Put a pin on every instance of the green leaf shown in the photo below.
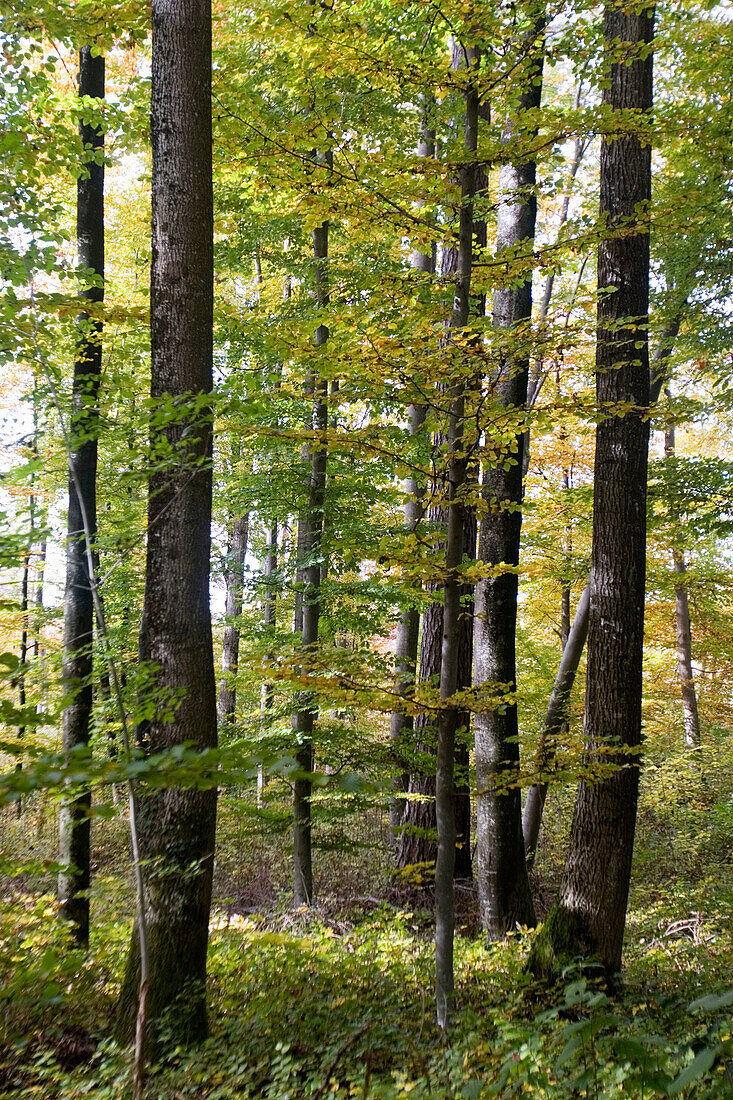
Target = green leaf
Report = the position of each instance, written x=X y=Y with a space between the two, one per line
x=700 y=1064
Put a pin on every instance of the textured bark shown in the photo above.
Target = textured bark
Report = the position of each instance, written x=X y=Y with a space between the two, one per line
x=177 y=826
x=590 y=915
x=310 y=533
x=505 y=899
x=233 y=610
x=449 y=665
x=74 y=824
x=682 y=623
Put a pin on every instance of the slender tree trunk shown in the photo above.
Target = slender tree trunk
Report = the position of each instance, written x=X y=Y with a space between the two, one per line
x=233 y=611
x=310 y=532
x=408 y=629
x=590 y=914
x=74 y=824
x=505 y=898
x=555 y=719
x=269 y=621
x=682 y=622
x=178 y=825
x=449 y=666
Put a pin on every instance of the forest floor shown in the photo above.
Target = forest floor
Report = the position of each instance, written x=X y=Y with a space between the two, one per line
x=337 y=1001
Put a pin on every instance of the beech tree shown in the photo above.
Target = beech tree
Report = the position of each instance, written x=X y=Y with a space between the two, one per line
x=177 y=825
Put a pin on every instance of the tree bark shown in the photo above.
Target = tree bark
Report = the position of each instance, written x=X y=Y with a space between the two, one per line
x=177 y=826
x=233 y=611
x=74 y=823
x=682 y=622
x=505 y=898
x=589 y=916
x=449 y=665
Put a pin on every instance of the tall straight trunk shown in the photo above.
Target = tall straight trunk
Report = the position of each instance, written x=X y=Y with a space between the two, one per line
x=74 y=824
x=590 y=914
x=449 y=666
x=505 y=898
x=233 y=610
x=573 y=647
x=310 y=532
x=416 y=845
x=177 y=825
x=682 y=621
x=408 y=629
x=269 y=621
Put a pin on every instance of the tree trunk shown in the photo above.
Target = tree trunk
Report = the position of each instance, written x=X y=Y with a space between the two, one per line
x=504 y=895
x=589 y=916
x=408 y=629
x=449 y=666
x=682 y=622
x=233 y=610
x=74 y=823
x=310 y=532
x=177 y=826
x=269 y=621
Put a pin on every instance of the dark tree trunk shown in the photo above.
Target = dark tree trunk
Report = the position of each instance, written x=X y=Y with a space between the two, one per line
x=505 y=898
x=408 y=630
x=682 y=622
x=590 y=914
x=233 y=610
x=310 y=533
x=74 y=824
x=177 y=826
x=448 y=718
x=417 y=839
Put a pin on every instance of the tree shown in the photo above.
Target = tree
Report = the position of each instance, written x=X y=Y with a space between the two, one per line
x=590 y=914
x=504 y=894
x=177 y=825
x=74 y=839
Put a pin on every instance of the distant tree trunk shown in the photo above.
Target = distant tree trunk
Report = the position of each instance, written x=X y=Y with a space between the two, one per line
x=310 y=532
x=74 y=824
x=233 y=611
x=505 y=898
x=449 y=665
x=177 y=825
x=589 y=916
x=269 y=621
x=682 y=622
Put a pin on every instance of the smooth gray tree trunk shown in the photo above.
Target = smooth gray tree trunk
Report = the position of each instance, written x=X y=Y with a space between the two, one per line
x=505 y=898
x=683 y=629
x=74 y=822
x=237 y=552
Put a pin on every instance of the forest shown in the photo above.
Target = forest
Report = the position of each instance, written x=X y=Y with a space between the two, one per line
x=366 y=560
